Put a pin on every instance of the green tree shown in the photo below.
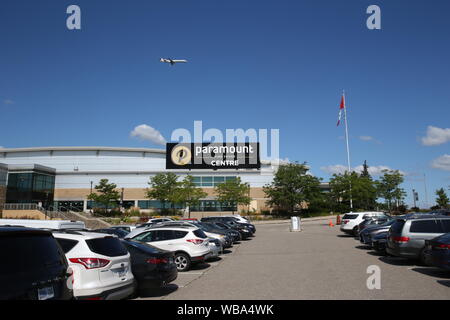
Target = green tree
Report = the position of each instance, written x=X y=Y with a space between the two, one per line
x=292 y=187
x=365 y=172
x=442 y=199
x=164 y=188
x=388 y=188
x=363 y=191
x=106 y=193
x=234 y=191
x=188 y=193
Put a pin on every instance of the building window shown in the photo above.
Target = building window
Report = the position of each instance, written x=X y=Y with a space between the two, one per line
x=214 y=205
x=211 y=181
x=155 y=204
x=30 y=187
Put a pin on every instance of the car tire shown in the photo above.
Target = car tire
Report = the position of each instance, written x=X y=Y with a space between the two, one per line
x=183 y=262
x=422 y=260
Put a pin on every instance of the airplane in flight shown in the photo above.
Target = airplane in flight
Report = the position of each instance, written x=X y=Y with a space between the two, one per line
x=172 y=61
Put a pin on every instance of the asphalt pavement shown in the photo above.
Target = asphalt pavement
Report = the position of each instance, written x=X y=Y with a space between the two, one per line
x=317 y=263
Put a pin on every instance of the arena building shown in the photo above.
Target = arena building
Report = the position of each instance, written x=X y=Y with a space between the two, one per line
x=62 y=177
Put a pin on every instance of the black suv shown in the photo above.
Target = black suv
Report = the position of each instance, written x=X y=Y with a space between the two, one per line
x=33 y=266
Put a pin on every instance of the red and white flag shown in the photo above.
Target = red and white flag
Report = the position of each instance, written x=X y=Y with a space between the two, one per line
x=341 y=107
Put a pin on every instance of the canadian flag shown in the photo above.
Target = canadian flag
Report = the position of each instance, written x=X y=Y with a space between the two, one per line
x=341 y=107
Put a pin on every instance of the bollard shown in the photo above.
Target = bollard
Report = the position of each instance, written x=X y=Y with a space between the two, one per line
x=338 y=219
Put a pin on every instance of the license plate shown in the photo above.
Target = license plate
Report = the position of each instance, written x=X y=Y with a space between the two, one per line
x=121 y=272
x=46 y=293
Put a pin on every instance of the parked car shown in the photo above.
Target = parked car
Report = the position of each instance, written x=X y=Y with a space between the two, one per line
x=437 y=252
x=371 y=221
x=120 y=233
x=33 y=266
x=224 y=240
x=190 y=244
x=231 y=222
x=351 y=220
x=407 y=236
x=125 y=227
x=232 y=233
x=441 y=212
x=151 y=267
x=44 y=224
x=379 y=241
x=238 y=218
x=157 y=220
x=216 y=249
x=366 y=235
x=243 y=231
x=100 y=264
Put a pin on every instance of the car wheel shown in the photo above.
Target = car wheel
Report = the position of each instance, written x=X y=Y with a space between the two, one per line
x=183 y=262
x=422 y=260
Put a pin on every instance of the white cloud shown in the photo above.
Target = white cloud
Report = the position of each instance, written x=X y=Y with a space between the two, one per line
x=442 y=163
x=369 y=138
x=335 y=169
x=148 y=133
x=436 y=136
x=340 y=169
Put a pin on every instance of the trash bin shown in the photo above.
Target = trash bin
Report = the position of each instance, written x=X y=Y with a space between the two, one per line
x=295 y=224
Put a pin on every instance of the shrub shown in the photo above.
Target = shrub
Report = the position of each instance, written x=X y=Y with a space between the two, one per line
x=132 y=212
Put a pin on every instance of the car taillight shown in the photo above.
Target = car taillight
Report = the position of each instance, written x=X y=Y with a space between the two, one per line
x=156 y=260
x=91 y=263
x=442 y=246
x=344 y=221
x=195 y=241
x=400 y=239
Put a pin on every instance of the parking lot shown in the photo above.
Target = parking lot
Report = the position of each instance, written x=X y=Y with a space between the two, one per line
x=318 y=263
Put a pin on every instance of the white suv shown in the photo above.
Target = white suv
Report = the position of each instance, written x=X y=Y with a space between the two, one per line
x=100 y=263
x=190 y=244
x=351 y=220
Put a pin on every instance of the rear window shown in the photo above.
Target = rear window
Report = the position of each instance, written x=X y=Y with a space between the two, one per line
x=109 y=246
x=349 y=216
x=397 y=226
x=25 y=253
x=67 y=244
x=200 y=234
x=426 y=226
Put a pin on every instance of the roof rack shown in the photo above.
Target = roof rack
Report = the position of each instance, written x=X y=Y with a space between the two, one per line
x=172 y=225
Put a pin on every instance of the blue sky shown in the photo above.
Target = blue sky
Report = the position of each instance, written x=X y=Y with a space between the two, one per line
x=252 y=64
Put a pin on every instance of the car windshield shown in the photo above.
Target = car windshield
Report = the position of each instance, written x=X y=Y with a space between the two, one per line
x=349 y=216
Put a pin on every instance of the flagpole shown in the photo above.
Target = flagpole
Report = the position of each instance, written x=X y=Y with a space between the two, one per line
x=348 y=151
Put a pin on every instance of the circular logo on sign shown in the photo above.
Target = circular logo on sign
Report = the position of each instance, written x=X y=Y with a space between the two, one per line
x=181 y=155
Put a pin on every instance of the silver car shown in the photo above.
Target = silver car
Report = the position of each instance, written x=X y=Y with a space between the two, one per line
x=407 y=235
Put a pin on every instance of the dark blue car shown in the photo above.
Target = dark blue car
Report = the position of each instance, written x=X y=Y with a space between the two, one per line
x=438 y=251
